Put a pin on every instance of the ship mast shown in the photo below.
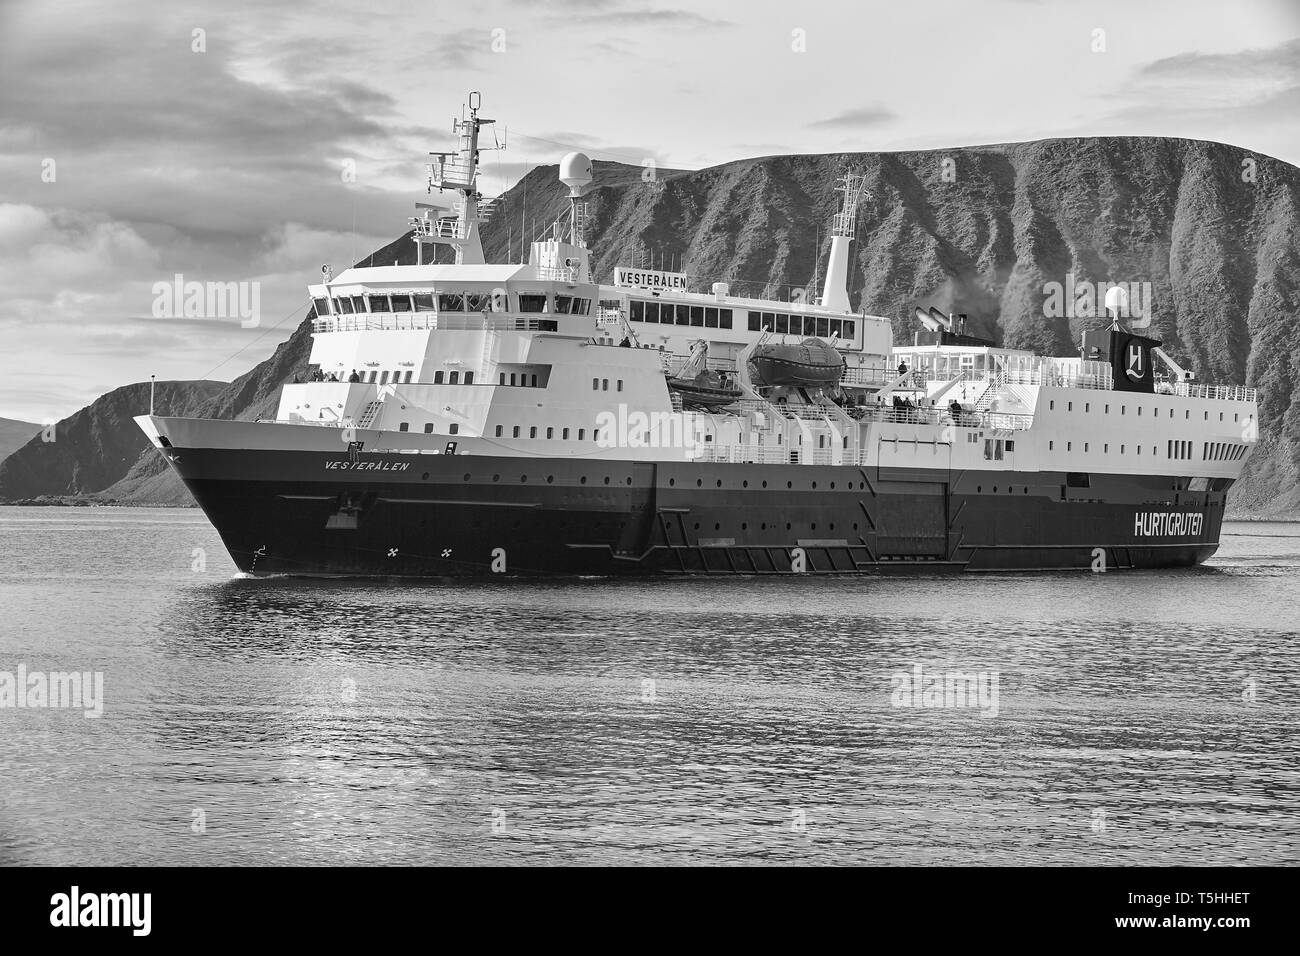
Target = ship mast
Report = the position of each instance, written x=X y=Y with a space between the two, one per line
x=456 y=173
x=835 y=292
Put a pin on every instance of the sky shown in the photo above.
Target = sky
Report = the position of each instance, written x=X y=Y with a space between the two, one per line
x=252 y=142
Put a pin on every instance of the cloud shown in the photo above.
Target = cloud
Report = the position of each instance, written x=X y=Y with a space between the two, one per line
x=856 y=118
x=653 y=18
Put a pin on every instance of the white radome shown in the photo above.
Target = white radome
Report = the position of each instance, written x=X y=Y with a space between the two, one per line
x=575 y=172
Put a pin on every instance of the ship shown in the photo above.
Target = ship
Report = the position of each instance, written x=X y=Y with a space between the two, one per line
x=474 y=418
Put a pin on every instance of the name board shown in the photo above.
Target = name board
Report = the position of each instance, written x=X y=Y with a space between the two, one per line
x=1148 y=524
x=648 y=279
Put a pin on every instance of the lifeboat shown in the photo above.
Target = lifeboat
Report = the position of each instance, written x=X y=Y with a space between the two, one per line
x=811 y=363
x=705 y=390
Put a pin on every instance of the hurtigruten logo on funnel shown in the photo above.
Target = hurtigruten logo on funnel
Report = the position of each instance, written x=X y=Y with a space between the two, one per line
x=624 y=429
x=1135 y=361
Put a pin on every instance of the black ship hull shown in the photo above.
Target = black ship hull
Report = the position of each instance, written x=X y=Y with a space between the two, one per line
x=320 y=513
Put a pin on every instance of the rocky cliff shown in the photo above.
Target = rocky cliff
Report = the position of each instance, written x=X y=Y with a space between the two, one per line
x=1212 y=229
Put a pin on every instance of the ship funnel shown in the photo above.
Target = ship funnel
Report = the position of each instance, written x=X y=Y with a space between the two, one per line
x=835 y=291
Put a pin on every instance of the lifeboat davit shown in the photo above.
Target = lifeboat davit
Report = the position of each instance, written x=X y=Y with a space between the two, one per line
x=811 y=363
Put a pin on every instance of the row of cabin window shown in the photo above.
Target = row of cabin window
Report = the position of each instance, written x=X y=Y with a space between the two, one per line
x=522 y=379
x=550 y=433
x=439 y=378
x=781 y=323
x=666 y=313
x=1221 y=451
x=449 y=302
x=1210 y=451
x=1123 y=410
x=452 y=429
x=602 y=385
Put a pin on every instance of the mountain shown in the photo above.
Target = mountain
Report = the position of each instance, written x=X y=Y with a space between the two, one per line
x=1214 y=230
x=14 y=434
x=98 y=445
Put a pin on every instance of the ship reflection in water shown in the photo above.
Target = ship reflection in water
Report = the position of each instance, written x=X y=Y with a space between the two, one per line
x=1143 y=717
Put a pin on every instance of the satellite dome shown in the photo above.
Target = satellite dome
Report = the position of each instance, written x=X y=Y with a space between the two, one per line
x=575 y=172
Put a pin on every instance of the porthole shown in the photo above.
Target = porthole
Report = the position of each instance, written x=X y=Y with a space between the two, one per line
x=550 y=479
x=583 y=479
x=744 y=484
x=523 y=479
x=719 y=482
x=467 y=476
x=496 y=477
x=629 y=479
x=787 y=526
x=607 y=479
x=699 y=482
x=814 y=484
x=697 y=526
x=764 y=483
x=671 y=482
x=789 y=484
x=425 y=476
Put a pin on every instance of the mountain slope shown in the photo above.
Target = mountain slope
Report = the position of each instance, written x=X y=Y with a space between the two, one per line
x=99 y=444
x=14 y=434
x=977 y=230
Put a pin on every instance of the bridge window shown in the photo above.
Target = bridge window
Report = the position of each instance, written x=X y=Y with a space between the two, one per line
x=378 y=303
x=423 y=301
x=428 y=428
x=406 y=379
x=345 y=305
x=781 y=324
x=550 y=432
x=710 y=318
x=532 y=432
x=451 y=302
x=373 y=374
x=469 y=378
x=454 y=378
x=532 y=302
x=404 y=426
x=401 y=302
x=565 y=434
x=755 y=321
x=534 y=382
x=724 y=318
x=515 y=431
x=322 y=306
x=437 y=377
x=636 y=310
x=453 y=428
x=383 y=378
x=499 y=430
x=581 y=433
x=697 y=315
x=478 y=302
